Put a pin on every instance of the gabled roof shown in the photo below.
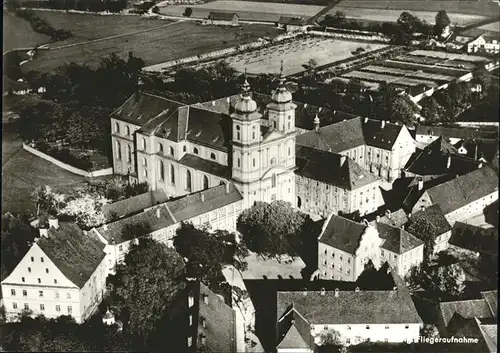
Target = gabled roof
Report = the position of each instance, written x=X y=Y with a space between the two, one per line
x=397 y=240
x=395 y=219
x=222 y=16
x=457 y=132
x=350 y=307
x=479 y=148
x=467 y=309
x=465 y=189
x=326 y=167
x=477 y=239
x=75 y=253
x=208 y=128
x=490 y=336
x=135 y=204
x=435 y=216
x=342 y=233
x=381 y=137
x=293 y=331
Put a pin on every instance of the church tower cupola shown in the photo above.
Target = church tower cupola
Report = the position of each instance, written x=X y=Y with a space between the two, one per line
x=246 y=108
x=281 y=109
x=281 y=94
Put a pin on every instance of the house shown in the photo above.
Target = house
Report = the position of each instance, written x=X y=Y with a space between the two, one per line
x=345 y=247
x=453 y=134
x=222 y=18
x=292 y=23
x=134 y=204
x=400 y=249
x=201 y=321
x=380 y=147
x=330 y=182
x=484 y=44
x=187 y=148
x=474 y=239
x=456 y=314
x=63 y=273
x=396 y=219
x=464 y=196
x=442 y=229
x=355 y=316
x=217 y=207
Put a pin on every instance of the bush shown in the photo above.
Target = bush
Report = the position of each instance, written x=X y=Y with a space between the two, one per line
x=41 y=26
x=155 y=9
x=188 y=12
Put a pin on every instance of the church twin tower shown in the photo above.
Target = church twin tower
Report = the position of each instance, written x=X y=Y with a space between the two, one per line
x=263 y=150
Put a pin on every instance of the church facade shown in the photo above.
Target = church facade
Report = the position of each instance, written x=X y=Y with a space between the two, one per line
x=187 y=148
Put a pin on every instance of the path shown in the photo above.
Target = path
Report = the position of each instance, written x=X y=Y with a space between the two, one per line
x=323 y=11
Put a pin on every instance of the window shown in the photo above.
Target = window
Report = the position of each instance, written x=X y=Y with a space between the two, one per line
x=162 y=171
x=13 y=292
x=382 y=253
x=289 y=151
x=274 y=124
x=39 y=280
x=195 y=150
x=184 y=148
x=129 y=154
x=348 y=327
x=326 y=251
x=348 y=260
x=29 y=269
x=212 y=156
x=40 y=293
x=14 y=305
x=144 y=162
x=127 y=131
x=32 y=259
x=332 y=266
x=205 y=182
x=58 y=308
x=160 y=148
x=239 y=164
x=25 y=293
x=46 y=270
x=407 y=326
x=70 y=309
x=68 y=295
x=367 y=327
x=144 y=144
x=22 y=279
x=118 y=150
x=190 y=301
x=26 y=306
x=172 y=174
x=395 y=257
x=386 y=327
x=348 y=341
x=188 y=180
x=253 y=162
x=348 y=271
x=57 y=295
x=289 y=125
x=117 y=127
x=237 y=135
x=253 y=135
x=273 y=181
x=324 y=262
x=42 y=307
x=190 y=341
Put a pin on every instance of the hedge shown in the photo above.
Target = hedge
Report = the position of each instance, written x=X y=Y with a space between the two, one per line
x=64 y=155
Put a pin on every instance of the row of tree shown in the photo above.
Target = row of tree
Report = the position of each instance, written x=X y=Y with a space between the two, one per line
x=41 y=26
x=114 y=6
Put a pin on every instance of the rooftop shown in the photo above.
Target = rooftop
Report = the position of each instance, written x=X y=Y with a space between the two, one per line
x=491 y=298
x=474 y=238
x=395 y=219
x=435 y=216
x=222 y=16
x=457 y=132
x=467 y=309
x=75 y=253
x=342 y=233
x=397 y=240
x=135 y=204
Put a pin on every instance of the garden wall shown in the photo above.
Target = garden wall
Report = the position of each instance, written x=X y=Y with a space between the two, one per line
x=69 y=168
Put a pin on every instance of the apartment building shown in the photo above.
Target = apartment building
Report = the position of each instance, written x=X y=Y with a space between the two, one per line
x=63 y=273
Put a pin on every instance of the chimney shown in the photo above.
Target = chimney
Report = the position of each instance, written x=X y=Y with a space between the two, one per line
x=356 y=290
x=480 y=165
x=304 y=292
x=202 y=198
x=323 y=291
x=227 y=188
x=205 y=298
x=420 y=184
x=448 y=164
x=44 y=232
x=53 y=223
x=336 y=292
x=378 y=219
x=213 y=103
x=158 y=213
x=382 y=124
x=388 y=213
x=366 y=120
x=342 y=160
x=316 y=123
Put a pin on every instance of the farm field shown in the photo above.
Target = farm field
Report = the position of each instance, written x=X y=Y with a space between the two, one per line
x=399 y=79
x=493 y=27
x=271 y=12
x=448 y=56
x=296 y=54
x=177 y=40
x=17 y=33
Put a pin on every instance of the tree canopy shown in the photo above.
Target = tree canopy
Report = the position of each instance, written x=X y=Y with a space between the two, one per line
x=271 y=229
x=424 y=230
x=442 y=21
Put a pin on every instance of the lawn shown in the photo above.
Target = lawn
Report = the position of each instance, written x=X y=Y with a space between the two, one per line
x=264 y=11
x=259 y=268
x=493 y=27
x=175 y=41
x=23 y=171
x=18 y=33
x=296 y=54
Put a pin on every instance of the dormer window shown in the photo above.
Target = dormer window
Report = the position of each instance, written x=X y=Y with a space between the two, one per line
x=195 y=150
x=205 y=298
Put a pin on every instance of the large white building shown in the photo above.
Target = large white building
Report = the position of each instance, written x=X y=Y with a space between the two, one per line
x=63 y=273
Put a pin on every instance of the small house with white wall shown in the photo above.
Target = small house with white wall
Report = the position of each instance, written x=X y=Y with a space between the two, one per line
x=484 y=44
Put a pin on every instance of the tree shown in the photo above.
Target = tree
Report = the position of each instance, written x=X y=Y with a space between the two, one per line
x=483 y=77
x=329 y=338
x=271 y=229
x=426 y=231
x=339 y=16
x=86 y=211
x=415 y=278
x=47 y=201
x=144 y=288
x=431 y=110
x=188 y=12
x=40 y=120
x=429 y=331
x=402 y=110
x=447 y=281
x=442 y=21
x=312 y=64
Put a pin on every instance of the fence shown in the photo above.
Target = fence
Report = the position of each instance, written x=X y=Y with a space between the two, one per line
x=69 y=168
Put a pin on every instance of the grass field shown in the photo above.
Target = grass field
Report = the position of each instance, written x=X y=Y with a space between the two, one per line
x=177 y=40
x=263 y=11
x=493 y=27
x=296 y=54
x=17 y=33
x=23 y=171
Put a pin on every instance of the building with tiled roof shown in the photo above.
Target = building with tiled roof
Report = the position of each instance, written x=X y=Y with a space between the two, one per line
x=355 y=316
x=397 y=218
x=442 y=228
x=482 y=241
x=380 y=147
x=222 y=18
x=483 y=150
x=484 y=44
x=134 y=204
x=292 y=23
x=217 y=207
x=427 y=134
x=329 y=182
x=464 y=196
x=63 y=273
x=186 y=148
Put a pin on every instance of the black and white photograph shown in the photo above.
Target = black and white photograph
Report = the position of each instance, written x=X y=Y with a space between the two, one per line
x=250 y=176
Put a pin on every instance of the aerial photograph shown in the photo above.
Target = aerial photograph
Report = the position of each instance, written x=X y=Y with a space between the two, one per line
x=250 y=176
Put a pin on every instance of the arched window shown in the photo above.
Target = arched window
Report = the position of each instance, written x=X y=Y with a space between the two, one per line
x=212 y=156
x=205 y=182
x=162 y=171
x=238 y=132
x=144 y=162
x=160 y=148
x=172 y=174
x=195 y=150
x=118 y=150
x=144 y=145
x=127 y=130
x=117 y=127
x=253 y=162
x=172 y=151
x=188 y=180
x=273 y=181
x=274 y=124
x=129 y=154
x=273 y=160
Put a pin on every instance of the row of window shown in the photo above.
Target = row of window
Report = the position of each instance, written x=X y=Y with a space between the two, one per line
x=42 y=307
x=117 y=129
x=332 y=265
x=33 y=259
x=39 y=280
x=40 y=294
x=46 y=270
